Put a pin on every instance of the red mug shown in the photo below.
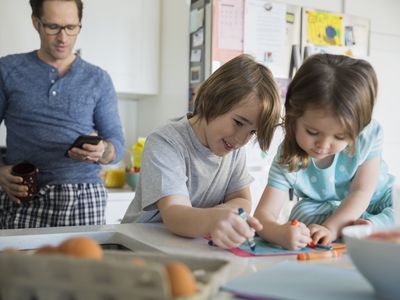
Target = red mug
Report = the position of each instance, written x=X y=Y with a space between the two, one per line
x=29 y=174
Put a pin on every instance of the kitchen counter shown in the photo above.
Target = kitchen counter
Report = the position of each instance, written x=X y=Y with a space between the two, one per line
x=117 y=204
x=154 y=237
x=123 y=193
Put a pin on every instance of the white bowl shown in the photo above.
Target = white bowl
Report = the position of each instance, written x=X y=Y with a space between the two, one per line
x=378 y=260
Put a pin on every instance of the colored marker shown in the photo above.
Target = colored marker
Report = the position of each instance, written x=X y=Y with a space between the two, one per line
x=294 y=222
x=326 y=247
x=319 y=255
x=339 y=246
x=250 y=241
x=314 y=245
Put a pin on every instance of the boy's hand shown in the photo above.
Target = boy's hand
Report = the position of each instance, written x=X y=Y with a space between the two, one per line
x=229 y=230
x=294 y=236
x=322 y=234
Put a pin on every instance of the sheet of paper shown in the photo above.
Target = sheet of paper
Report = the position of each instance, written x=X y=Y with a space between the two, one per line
x=198 y=38
x=302 y=281
x=230 y=24
x=264 y=248
x=324 y=29
x=265 y=32
x=195 y=55
x=196 y=19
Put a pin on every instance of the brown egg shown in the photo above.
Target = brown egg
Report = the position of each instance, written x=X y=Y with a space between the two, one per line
x=137 y=261
x=181 y=279
x=83 y=247
x=47 y=249
x=10 y=250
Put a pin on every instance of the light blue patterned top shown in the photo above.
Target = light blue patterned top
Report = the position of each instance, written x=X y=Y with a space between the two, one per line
x=333 y=183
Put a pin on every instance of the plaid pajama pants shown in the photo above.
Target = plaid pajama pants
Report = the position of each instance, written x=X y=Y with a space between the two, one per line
x=56 y=205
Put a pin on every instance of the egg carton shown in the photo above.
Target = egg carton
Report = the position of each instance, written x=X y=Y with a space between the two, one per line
x=53 y=277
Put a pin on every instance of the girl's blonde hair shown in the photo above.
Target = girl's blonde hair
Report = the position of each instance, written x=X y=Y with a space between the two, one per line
x=344 y=86
x=233 y=82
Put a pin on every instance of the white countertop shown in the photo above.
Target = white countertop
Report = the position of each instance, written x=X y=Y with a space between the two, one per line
x=147 y=237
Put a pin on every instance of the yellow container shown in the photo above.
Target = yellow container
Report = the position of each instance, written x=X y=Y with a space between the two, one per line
x=137 y=150
x=115 y=178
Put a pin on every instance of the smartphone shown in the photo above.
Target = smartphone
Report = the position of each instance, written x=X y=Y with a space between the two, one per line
x=84 y=139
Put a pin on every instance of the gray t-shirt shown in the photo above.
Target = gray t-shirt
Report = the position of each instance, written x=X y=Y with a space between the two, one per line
x=174 y=162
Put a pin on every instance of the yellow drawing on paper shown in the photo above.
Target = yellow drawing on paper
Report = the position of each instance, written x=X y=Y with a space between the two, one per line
x=324 y=29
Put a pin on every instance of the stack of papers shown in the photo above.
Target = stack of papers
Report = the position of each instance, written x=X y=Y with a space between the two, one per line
x=299 y=280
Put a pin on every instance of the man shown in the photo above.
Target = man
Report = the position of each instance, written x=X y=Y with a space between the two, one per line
x=48 y=98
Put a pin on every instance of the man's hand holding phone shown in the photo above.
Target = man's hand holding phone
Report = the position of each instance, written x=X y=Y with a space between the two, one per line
x=87 y=148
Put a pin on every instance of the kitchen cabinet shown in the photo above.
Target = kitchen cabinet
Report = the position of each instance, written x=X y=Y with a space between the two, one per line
x=122 y=37
x=117 y=204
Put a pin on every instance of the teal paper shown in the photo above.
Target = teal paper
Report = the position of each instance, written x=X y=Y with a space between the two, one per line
x=266 y=248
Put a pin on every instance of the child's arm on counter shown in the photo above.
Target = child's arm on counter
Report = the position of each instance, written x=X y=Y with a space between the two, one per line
x=288 y=236
x=221 y=222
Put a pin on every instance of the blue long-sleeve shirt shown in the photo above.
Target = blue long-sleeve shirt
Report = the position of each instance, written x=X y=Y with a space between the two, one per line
x=44 y=113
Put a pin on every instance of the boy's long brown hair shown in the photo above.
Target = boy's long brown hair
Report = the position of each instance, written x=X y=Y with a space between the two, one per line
x=233 y=82
x=343 y=86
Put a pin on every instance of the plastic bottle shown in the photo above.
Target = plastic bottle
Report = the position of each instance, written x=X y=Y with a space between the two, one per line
x=137 y=150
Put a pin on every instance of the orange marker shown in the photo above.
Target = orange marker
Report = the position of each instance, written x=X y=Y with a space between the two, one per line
x=294 y=222
x=313 y=245
x=339 y=246
x=318 y=255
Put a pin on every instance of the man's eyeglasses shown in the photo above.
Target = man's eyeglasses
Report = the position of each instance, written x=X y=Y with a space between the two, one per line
x=54 y=29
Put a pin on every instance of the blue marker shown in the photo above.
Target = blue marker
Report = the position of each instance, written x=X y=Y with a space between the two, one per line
x=324 y=247
x=250 y=241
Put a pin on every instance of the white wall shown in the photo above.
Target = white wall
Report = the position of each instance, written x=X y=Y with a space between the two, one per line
x=10 y=37
x=385 y=57
x=333 y=5
x=172 y=100
x=128 y=113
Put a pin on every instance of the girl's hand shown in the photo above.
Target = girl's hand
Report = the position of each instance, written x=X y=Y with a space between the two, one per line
x=294 y=235
x=229 y=230
x=322 y=234
x=362 y=222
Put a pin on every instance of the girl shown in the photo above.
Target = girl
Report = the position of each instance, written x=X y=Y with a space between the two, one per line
x=330 y=155
x=193 y=175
